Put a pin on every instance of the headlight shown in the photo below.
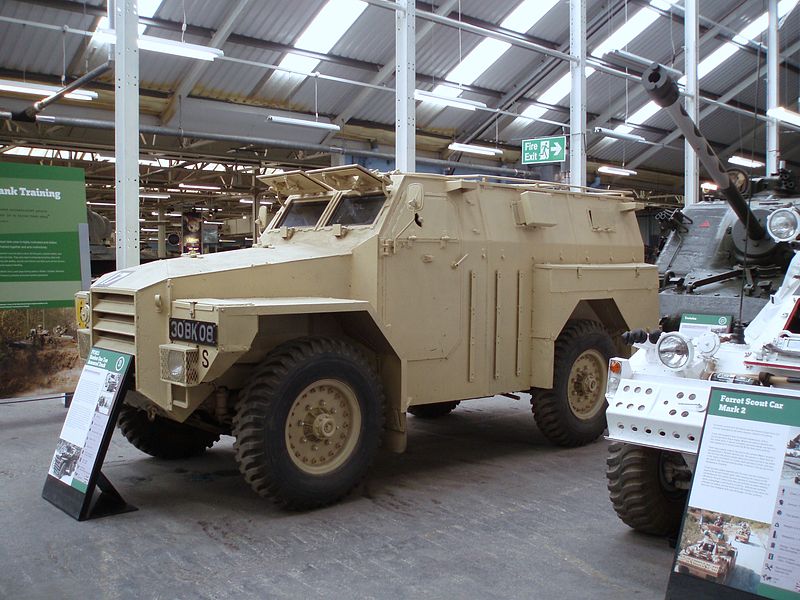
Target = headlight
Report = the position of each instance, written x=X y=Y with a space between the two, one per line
x=179 y=364
x=674 y=351
x=783 y=224
x=176 y=365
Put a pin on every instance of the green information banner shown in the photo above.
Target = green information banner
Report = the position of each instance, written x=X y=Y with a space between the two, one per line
x=42 y=223
x=544 y=150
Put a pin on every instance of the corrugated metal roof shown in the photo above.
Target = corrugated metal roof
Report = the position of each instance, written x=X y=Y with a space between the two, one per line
x=370 y=39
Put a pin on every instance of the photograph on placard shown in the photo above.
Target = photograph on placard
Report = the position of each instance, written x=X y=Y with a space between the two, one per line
x=722 y=548
x=65 y=460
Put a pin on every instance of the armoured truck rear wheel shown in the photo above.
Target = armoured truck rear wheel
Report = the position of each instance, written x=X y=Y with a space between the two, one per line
x=572 y=413
x=641 y=484
x=433 y=411
x=309 y=423
x=162 y=437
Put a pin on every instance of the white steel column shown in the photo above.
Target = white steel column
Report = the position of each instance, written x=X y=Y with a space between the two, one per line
x=577 y=94
x=405 y=78
x=126 y=131
x=691 y=34
x=773 y=52
x=162 y=232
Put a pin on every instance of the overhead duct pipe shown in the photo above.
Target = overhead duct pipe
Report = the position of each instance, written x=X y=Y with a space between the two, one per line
x=29 y=114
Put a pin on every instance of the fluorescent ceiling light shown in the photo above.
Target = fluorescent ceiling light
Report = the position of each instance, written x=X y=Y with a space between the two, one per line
x=245 y=201
x=709 y=186
x=38 y=89
x=745 y=162
x=303 y=123
x=608 y=170
x=619 y=135
x=148 y=229
x=101 y=204
x=212 y=223
x=782 y=114
x=461 y=103
x=470 y=149
x=163 y=45
x=169 y=214
x=153 y=195
x=194 y=186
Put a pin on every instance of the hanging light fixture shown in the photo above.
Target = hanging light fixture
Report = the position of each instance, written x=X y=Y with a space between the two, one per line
x=470 y=149
x=609 y=170
x=745 y=162
x=619 y=135
x=303 y=123
x=163 y=45
x=461 y=103
x=39 y=89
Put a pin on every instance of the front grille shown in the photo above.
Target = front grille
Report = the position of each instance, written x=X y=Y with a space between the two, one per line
x=114 y=321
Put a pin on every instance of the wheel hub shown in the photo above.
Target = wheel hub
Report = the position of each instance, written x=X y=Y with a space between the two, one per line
x=323 y=426
x=586 y=384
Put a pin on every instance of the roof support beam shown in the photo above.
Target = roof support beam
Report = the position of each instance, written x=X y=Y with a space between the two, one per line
x=198 y=67
x=773 y=52
x=405 y=106
x=123 y=17
x=691 y=43
x=577 y=94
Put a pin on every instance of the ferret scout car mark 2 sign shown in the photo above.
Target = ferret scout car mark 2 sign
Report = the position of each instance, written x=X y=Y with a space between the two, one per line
x=741 y=528
x=84 y=439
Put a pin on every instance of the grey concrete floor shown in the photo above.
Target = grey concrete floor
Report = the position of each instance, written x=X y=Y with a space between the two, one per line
x=481 y=506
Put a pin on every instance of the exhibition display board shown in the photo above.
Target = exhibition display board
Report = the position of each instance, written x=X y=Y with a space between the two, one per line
x=43 y=228
x=75 y=469
x=44 y=260
x=740 y=536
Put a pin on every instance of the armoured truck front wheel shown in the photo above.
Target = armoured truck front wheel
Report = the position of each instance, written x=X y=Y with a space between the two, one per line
x=642 y=486
x=572 y=413
x=433 y=411
x=309 y=423
x=161 y=437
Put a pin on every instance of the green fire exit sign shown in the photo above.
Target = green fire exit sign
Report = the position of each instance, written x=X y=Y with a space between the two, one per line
x=544 y=150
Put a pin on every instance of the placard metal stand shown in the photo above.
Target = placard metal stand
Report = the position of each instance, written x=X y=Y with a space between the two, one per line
x=75 y=475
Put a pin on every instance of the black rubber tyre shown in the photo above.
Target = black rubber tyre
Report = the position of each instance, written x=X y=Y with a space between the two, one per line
x=580 y=371
x=433 y=411
x=162 y=437
x=310 y=423
x=641 y=496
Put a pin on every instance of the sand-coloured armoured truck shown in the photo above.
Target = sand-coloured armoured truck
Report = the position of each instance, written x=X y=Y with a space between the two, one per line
x=366 y=297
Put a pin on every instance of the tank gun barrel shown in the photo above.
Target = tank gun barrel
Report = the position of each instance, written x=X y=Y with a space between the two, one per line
x=664 y=91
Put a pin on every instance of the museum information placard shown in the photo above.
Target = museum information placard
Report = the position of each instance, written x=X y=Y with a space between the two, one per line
x=42 y=223
x=741 y=528
x=86 y=432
